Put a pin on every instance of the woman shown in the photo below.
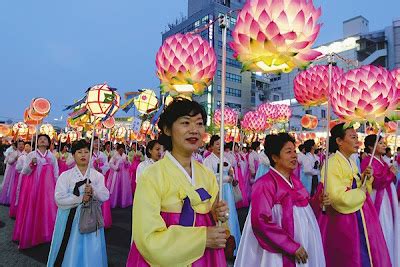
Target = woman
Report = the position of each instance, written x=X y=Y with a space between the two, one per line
x=311 y=165
x=64 y=158
x=135 y=157
x=384 y=195
x=118 y=181
x=16 y=188
x=69 y=247
x=212 y=162
x=153 y=154
x=264 y=163
x=11 y=173
x=254 y=160
x=241 y=167
x=99 y=162
x=352 y=233
x=176 y=207
x=37 y=209
x=281 y=229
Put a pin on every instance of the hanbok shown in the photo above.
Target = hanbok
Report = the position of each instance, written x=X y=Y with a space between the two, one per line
x=65 y=161
x=279 y=222
x=171 y=211
x=386 y=204
x=9 y=177
x=263 y=166
x=351 y=231
x=37 y=209
x=16 y=187
x=69 y=247
x=119 y=182
x=212 y=162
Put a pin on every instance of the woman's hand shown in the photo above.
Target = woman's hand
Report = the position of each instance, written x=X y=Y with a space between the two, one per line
x=88 y=193
x=325 y=200
x=301 y=255
x=393 y=169
x=221 y=211
x=34 y=161
x=367 y=174
x=216 y=237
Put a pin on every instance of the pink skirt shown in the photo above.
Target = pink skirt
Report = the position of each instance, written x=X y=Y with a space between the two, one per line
x=13 y=205
x=211 y=257
x=37 y=210
x=244 y=203
x=119 y=184
x=5 y=194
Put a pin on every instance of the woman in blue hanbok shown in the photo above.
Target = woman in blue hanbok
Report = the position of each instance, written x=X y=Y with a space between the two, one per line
x=212 y=162
x=69 y=247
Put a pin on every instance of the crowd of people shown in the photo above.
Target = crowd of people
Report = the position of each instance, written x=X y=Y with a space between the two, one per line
x=278 y=207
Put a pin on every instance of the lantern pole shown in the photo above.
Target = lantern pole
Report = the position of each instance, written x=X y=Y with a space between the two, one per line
x=36 y=137
x=331 y=61
x=223 y=25
x=396 y=133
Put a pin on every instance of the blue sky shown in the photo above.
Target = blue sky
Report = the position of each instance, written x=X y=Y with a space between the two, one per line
x=57 y=49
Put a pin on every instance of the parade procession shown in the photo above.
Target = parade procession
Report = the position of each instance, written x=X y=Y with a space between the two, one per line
x=180 y=175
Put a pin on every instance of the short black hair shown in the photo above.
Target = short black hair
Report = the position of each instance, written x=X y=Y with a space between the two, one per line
x=150 y=146
x=120 y=145
x=274 y=144
x=179 y=107
x=301 y=147
x=48 y=139
x=337 y=131
x=62 y=145
x=308 y=145
x=388 y=149
x=214 y=139
x=255 y=145
x=107 y=143
x=370 y=141
x=228 y=145
x=77 y=145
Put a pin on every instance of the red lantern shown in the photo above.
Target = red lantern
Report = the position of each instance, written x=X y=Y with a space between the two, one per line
x=309 y=121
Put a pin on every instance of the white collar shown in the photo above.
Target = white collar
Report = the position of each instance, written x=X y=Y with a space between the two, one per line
x=40 y=153
x=283 y=177
x=80 y=176
x=173 y=159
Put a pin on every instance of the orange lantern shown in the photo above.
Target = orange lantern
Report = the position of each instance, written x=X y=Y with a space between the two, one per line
x=309 y=121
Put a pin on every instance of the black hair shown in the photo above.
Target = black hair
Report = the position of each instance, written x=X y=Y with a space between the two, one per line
x=62 y=145
x=19 y=141
x=308 y=145
x=27 y=143
x=255 y=145
x=370 y=141
x=214 y=139
x=301 y=146
x=337 y=131
x=150 y=146
x=274 y=144
x=48 y=139
x=388 y=150
x=228 y=145
x=77 y=145
x=179 y=107
x=120 y=145
x=107 y=143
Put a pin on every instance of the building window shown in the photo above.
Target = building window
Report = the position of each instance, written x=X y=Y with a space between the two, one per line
x=204 y=20
x=230 y=62
x=230 y=91
x=276 y=98
x=231 y=77
x=323 y=113
x=309 y=111
x=228 y=48
x=197 y=24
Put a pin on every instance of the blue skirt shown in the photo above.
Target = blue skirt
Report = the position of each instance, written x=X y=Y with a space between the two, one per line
x=233 y=221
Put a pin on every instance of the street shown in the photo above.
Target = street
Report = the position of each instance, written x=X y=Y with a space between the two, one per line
x=117 y=239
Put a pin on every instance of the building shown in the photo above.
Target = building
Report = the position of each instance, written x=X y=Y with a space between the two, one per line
x=358 y=47
x=241 y=92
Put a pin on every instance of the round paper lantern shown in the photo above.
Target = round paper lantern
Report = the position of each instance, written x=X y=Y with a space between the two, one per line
x=309 y=121
x=30 y=121
x=311 y=86
x=109 y=123
x=366 y=93
x=20 y=128
x=39 y=107
x=62 y=137
x=120 y=132
x=274 y=36
x=146 y=127
x=269 y=110
x=72 y=135
x=206 y=138
x=102 y=101
x=186 y=64
x=254 y=122
x=4 y=130
x=146 y=102
x=46 y=129
x=283 y=113
x=230 y=117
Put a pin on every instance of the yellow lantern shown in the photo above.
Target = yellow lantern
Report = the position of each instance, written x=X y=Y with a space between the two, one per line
x=146 y=101
x=102 y=101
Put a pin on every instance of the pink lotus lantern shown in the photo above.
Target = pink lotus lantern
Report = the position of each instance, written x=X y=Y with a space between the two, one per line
x=283 y=113
x=254 y=122
x=269 y=110
x=274 y=36
x=102 y=101
x=312 y=85
x=367 y=93
x=230 y=117
x=186 y=64
x=396 y=74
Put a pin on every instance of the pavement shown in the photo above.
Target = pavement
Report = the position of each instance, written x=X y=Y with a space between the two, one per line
x=117 y=239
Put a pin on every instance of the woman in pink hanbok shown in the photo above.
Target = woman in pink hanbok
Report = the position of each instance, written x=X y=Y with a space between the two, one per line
x=11 y=173
x=64 y=158
x=37 y=208
x=118 y=181
x=135 y=157
x=384 y=195
x=281 y=228
x=16 y=188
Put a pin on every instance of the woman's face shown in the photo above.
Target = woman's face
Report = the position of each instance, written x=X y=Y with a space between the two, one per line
x=155 y=152
x=186 y=133
x=28 y=148
x=216 y=147
x=287 y=159
x=81 y=156
x=43 y=142
x=65 y=148
x=121 y=151
x=380 y=148
x=349 y=144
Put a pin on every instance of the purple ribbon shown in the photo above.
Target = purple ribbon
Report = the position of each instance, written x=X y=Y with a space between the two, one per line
x=187 y=213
